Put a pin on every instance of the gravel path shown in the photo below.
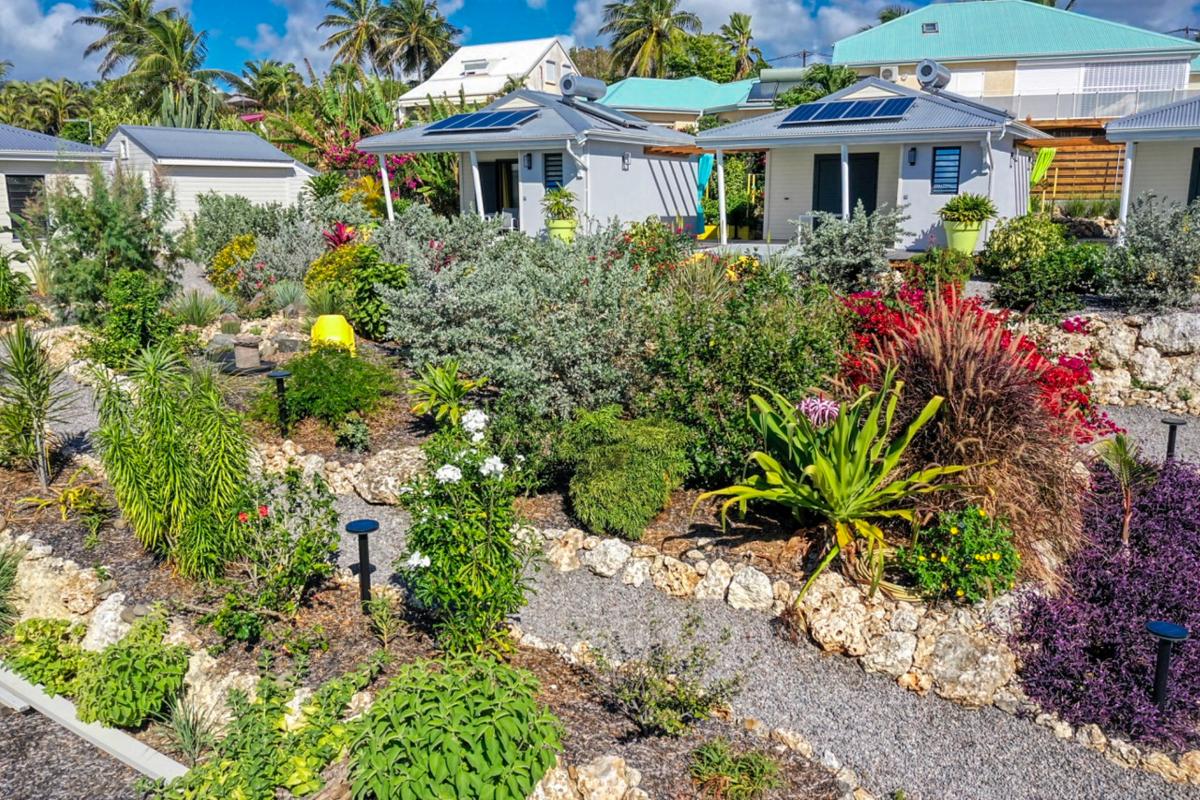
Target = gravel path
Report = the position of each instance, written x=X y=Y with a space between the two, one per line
x=78 y=416
x=40 y=760
x=385 y=545
x=895 y=740
x=1144 y=425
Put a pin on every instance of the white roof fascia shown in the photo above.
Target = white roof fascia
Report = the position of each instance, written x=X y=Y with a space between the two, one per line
x=1151 y=134
x=31 y=155
x=219 y=162
x=912 y=136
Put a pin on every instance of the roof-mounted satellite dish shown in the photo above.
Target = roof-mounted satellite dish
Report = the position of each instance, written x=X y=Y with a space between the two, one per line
x=932 y=75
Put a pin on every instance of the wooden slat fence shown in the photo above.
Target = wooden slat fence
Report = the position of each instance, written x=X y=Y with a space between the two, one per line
x=1082 y=167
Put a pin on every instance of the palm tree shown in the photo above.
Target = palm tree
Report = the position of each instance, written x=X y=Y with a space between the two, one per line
x=124 y=24
x=417 y=36
x=271 y=83
x=889 y=13
x=818 y=81
x=59 y=101
x=171 y=57
x=644 y=31
x=357 y=31
x=5 y=66
x=1067 y=6
x=736 y=34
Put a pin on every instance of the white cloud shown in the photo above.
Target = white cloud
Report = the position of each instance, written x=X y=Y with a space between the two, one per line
x=299 y=40
x=450 y=6
x=47 y=43
x=536 y=3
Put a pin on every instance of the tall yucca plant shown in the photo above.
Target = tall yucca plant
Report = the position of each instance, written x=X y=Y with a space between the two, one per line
x=31 y=399
x=842 y=471
x=177 y=459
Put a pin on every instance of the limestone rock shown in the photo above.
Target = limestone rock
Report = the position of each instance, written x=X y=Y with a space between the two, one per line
x=563 y=552
x=905 y=617
x=674 y=577
x=1123 y=753
x=606 y=778
x=1149 y=367
x=751 y=589
x=1115 y=345
x=1189 y=762
x=607 y=558
x=969 y=669
x=556 y=784
x=891 y=654
x=1091 y=736
x=914 y=681
x=792 y=741
x=636 y=794
x=106 y=626
x=47 y=587
x=385 y=473
x=208 y=687
x=1162 y=765
x=637 y=571
x=715 y=582
x=835 y=615
x=1175 y=334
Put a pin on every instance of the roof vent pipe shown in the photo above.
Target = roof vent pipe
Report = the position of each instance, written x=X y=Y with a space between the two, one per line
x=932 y=76
x=590 y=88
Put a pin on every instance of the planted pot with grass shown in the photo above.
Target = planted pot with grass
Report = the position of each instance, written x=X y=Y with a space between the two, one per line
x=558 y=204
x=963 y=217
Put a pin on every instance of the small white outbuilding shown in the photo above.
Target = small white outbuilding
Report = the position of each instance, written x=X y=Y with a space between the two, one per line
x=193 y=162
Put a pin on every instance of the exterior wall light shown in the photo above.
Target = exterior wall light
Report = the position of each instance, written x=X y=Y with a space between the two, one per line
x=529 y=161
x=912 y=156
x=626 y=160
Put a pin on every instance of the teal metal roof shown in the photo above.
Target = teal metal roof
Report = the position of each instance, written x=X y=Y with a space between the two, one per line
x=693 y=94
x=1000 y=29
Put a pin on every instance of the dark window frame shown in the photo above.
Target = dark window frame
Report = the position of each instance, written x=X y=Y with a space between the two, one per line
x=1194 y=179
x=547 y=182
x=933 y=171
x=25 y=194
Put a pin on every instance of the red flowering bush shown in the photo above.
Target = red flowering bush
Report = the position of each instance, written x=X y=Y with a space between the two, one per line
x=1086 y=652
x=655 y=247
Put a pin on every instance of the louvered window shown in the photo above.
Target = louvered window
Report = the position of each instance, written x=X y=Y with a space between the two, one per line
x=21 y=190
x=946 y=161
x=552 y=168
x=1134 y=75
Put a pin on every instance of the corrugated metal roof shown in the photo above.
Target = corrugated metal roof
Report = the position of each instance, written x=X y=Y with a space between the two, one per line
x=19 y=140
x=695 y=94
x=195 y=144
x=931 y=114
x=559 y=120
x=1183 y=115
x=999 y=29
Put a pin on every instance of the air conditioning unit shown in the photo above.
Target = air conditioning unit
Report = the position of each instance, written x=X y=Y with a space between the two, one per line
x=891 y=73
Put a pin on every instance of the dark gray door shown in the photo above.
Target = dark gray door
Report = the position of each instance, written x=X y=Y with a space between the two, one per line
x=827 y=181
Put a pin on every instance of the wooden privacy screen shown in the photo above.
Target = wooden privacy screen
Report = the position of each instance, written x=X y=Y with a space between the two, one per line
x=1084 y=166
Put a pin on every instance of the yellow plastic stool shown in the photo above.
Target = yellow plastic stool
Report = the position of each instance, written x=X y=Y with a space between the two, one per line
x=333 y=329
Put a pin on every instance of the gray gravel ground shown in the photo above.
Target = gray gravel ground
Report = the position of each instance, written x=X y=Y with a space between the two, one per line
x=40 y=760
x=78 y=416
x=927 y=747
x=1144 y=425
x=385 y=545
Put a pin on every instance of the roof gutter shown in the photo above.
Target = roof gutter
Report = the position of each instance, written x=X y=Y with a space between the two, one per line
x=926 y=135
x=1099 y=55
x=1150 y=134
x=37 y=155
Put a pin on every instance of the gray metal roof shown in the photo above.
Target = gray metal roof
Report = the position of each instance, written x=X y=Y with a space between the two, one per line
x=559 y=120
x=1178 y=120
x=18 y=141
x=932 y=117
x=195 y=144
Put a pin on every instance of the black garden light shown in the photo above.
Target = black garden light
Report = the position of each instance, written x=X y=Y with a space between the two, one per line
x=1168 y=634
x=1173 y=424
x=279 y=376
x=363 y=528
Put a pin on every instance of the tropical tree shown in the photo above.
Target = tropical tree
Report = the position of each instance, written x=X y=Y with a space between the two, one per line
x=5 y=66
x=417 y=36
x=171 y=58
x=740 y=39
x=594 y=62
x=645 y=31
x=358 y=31
x=124 y=24
x=889 y=13
x=270 y=83
x=1067 y=6
x=818 y=81
x=58 y=101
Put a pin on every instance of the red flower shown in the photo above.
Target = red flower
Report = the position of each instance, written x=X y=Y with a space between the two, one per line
x=263 y=511
x=243 y=517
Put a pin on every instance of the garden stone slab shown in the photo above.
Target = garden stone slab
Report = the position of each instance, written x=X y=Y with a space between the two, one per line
x=384 y=474
x=1175 y=334
x=969 y=669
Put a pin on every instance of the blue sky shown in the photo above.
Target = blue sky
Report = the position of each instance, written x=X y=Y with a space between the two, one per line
x=39 y=38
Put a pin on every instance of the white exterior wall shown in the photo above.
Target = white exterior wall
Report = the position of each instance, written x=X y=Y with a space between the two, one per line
x=76 y=172
x=546 y=76
x=790 y=184
x=922 y=206
x=654 y=186
x=1164 y=168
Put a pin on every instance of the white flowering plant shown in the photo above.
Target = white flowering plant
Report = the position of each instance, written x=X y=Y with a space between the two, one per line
x=464 y=563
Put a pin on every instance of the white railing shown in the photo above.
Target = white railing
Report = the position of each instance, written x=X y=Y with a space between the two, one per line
x=1094 y=105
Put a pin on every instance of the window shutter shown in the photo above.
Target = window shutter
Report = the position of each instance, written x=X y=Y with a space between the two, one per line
x=946 y=162
x=552 y=169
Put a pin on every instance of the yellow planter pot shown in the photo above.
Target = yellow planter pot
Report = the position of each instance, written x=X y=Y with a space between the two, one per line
x=333 y=329
x=562 y=229
x=710 y=232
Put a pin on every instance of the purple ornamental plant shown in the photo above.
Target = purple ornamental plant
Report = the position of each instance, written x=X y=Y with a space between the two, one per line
x=1086 y=653
x=820 y=411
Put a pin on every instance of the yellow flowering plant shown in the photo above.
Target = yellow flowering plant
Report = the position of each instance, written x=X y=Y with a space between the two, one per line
x=966 y=556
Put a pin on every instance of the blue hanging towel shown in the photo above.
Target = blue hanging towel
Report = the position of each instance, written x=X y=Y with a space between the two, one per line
x=704 y=171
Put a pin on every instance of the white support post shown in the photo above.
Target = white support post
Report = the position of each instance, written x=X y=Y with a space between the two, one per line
x=387 y=186
x=721 y=195
x=845 y=182
x=476 y=183
x=1126 y=189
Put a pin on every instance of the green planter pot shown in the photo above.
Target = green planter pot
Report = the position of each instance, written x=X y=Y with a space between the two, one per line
x=562 y=229
x=962 y=236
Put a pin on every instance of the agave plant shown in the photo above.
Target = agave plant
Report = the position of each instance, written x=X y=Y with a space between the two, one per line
x=839 y=467
x=440 y=391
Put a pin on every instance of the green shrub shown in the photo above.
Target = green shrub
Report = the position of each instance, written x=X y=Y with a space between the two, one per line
x=656 y=247
x=967 y=556
x=939 y=267
x=353 y=434
x=31 y=400
x=133 y=680
x=967 y=207
x=1050 y=285
x=328 y=384
x=712 y=339
x=359 y=271
x=723 y=774
x=439 y=390
x=464 y=562
x=668 y=691
x=225 y=263
x=847 y=255
x=261 y=756
x=10 y=560
x=14 y=288
x=46 y=652
x=221 y=217
x=1019 y=241
x=119 y=223
x=623 y=470
x=199 y=309
x=1156 y=265
x=176 y=457
x=465 y=728
x=134 y=319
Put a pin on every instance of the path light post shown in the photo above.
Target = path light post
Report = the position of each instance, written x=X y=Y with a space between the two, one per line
x=1173 y=425
x=1168 y=634
x=280 y=376
x=363 y=528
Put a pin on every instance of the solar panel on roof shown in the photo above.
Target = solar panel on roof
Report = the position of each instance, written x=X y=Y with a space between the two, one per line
x=896 y=107
x=802 y=113
x=848 y=111
x=831 y=111
x=483 y=121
